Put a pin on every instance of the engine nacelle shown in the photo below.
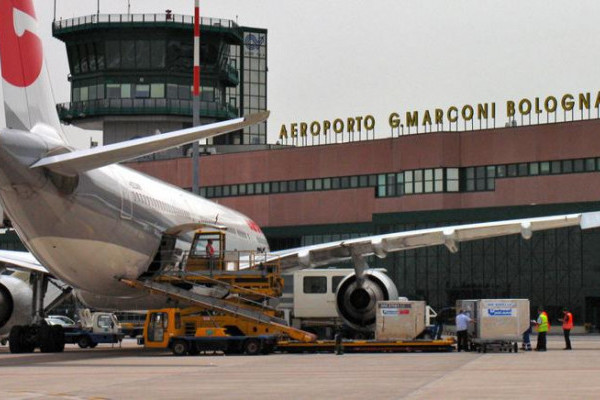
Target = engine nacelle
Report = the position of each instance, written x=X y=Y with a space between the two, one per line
x=15 y=303
x=357 y=305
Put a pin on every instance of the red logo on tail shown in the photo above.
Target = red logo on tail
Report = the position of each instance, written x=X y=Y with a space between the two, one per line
x=20 y=47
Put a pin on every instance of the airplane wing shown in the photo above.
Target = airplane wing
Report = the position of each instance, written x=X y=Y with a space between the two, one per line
x=450 y=236
x=380 y=245
x=21 y=260
x=84 y=160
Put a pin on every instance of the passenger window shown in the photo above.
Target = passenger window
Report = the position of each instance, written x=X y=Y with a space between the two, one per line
x=315 y=284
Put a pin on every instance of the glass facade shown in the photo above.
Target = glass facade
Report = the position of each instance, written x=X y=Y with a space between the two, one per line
x=553 y=269
x=255 y=82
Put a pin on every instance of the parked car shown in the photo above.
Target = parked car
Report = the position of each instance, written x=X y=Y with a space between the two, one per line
x=61 y=320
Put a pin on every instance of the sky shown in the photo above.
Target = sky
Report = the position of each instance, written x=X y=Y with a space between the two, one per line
x=345 y=58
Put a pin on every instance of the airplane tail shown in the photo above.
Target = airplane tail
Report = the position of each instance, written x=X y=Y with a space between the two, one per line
x=28 y=99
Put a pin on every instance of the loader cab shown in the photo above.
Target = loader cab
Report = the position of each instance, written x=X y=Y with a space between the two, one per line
x=207 y=251
x=160 y=326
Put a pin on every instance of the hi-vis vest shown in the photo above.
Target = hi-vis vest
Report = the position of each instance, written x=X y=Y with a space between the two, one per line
x=543 y=326
x=568 y=321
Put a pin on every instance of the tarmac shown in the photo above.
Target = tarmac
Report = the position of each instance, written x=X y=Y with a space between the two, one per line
x=131 y=372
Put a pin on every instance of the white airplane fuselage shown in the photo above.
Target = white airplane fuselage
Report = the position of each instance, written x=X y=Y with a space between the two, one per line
x=103 y=224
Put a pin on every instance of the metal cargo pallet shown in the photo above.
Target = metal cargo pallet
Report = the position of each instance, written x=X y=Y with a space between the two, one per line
x=367 y=346
x=502 y=346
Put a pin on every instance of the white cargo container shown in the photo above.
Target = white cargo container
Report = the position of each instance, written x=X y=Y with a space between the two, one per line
x=400 y=320
x=496 y=319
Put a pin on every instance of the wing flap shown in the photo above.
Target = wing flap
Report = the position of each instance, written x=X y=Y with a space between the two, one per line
x=450 y=236
x=84 y=160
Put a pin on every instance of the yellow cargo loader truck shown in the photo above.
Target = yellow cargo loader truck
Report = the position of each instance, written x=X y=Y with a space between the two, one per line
x=191 y=331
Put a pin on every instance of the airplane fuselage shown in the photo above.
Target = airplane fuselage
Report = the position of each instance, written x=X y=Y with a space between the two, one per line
x=103 y=224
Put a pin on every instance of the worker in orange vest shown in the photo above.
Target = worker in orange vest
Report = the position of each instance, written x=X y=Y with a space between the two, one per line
x=567 y=325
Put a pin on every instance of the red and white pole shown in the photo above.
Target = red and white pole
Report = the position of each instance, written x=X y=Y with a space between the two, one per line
x=197 y=48
x=196 y=98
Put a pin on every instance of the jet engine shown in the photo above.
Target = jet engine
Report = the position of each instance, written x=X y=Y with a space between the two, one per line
x=15 y=303
x=356 y=301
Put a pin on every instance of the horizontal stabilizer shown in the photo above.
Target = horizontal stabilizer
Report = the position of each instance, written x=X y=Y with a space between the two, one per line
x=84 y=160
x=21 y=260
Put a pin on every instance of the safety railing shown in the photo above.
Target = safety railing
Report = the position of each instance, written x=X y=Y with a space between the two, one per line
x=81 y=109
x=169 y=18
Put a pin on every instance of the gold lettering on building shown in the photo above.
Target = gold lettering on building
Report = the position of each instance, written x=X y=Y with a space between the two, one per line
x=466 y=112
x=369 y=122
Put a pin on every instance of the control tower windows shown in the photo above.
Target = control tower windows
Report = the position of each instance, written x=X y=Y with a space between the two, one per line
x=171 y=91
x=142 y=91
x=157 y=54
x=127 y=54
x=157 y=90
x=142 y=54
x=91 y=57
x=113 y=91
x=113 y=54
x=126 y=91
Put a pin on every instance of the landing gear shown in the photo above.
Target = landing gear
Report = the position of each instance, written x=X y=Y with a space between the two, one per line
x=52 y=339
x=20 y=340
x=49 y=339
x=24 y=339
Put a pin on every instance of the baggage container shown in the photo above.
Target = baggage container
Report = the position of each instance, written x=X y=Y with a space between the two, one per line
x=399 y=320
x=497 y=319
x=499 y=323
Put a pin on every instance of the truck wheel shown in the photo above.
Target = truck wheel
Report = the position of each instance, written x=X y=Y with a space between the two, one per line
x=194 y=350
x=84 y=342
x=252 y=347
x=180 y=348
x=268 y=348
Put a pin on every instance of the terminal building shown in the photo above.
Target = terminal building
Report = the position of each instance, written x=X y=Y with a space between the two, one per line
x=312 y=194
x=131 y=76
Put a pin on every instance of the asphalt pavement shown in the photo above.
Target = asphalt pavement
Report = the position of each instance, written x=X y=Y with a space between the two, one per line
x=130 y=372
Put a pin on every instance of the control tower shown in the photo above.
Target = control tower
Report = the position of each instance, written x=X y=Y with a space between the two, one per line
x=131 y=75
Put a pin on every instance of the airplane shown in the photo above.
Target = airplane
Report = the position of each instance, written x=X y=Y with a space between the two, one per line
x=89 y=221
